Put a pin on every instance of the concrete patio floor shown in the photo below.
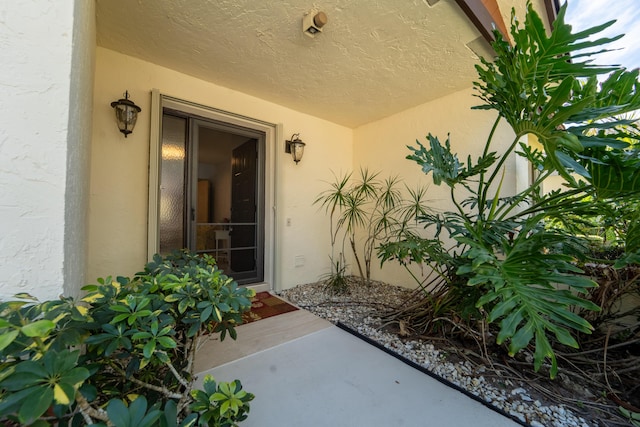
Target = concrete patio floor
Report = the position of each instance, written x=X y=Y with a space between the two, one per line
x=329 y=377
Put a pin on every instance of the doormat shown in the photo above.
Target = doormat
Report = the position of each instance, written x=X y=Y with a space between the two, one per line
x=265 y=305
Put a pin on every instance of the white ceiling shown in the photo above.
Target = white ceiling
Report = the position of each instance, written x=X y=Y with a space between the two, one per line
x=373 y=59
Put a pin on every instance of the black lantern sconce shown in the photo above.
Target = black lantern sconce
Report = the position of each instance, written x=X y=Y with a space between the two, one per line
x=126 y=114
x=295 y=147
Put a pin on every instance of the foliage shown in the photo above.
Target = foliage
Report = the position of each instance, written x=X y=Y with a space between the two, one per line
x=507 y=256
x=336 y=282
x=633 y=417
x=368 y=206
x=126 y=342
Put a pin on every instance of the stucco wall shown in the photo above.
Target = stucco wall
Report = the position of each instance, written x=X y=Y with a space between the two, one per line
x=36 y=41
x=119 y=169
x=79 y=147
x=382 y=146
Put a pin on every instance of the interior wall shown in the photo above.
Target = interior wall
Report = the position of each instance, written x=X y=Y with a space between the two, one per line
x=215 y=152
x=119 y=169
x=382 y=146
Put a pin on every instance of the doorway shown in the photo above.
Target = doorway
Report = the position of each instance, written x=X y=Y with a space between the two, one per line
x=212 y=192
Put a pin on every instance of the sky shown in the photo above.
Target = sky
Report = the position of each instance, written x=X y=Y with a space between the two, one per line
x=583 y=14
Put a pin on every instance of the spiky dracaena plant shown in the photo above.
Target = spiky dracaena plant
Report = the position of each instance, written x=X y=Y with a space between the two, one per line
x=516 y=269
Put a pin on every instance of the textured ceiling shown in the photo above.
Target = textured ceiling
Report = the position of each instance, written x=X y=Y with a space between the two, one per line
x=374 y=58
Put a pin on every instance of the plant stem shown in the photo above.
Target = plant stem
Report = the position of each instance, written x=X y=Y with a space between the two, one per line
x=176 y=374
x=165 y=391
x=355 y=255
x=89 y=411
x=503 y=158
x=522 y=196
x=486 y=151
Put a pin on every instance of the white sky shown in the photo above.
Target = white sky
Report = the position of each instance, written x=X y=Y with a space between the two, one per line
x=583 y=14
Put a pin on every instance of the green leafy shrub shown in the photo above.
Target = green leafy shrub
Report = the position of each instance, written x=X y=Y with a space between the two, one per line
x=372 y=209
x=125 y=343
x=508 y=265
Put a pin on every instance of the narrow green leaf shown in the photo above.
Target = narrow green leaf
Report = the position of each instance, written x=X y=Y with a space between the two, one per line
x=119 y=308
x=565 y=337
x=120 y=317
x=167 y=342
x=141 y=336
x=21 y=380
x=503 y=307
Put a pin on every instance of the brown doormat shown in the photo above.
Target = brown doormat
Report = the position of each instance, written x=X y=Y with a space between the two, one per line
x=265 y=305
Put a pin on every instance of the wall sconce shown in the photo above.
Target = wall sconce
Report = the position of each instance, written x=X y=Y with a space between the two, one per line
x=126 y=114
x=295 y=146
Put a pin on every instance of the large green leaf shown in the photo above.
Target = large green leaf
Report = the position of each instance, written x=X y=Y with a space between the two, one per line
x=632 y=240
x=7 y=338
x=530 y=83
x=39 y=328
x=444 y=165
x=527 y=299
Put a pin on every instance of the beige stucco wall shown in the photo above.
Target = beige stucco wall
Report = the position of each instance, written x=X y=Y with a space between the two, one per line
x=119 y=169
x=381 y=146
x=79 y=147
x=42 y=196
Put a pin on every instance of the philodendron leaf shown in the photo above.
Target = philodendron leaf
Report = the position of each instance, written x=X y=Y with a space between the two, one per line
x=521 y=338
x=632 y=240
x=544 y=350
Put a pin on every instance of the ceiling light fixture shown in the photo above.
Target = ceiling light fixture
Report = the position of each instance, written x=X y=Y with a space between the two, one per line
x=313 y=22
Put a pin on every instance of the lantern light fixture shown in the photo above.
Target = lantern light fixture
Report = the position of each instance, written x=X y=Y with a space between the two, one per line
x=295 y=147
x=126 y=114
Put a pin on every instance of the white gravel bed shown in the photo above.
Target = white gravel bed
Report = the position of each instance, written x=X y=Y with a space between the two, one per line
x=359 y=309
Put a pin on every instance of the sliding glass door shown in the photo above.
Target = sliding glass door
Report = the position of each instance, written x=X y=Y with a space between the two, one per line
x=212 y=192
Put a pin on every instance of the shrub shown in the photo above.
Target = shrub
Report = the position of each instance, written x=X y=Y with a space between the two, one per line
x=507 y=264
x=127 y=342
x=370 y=207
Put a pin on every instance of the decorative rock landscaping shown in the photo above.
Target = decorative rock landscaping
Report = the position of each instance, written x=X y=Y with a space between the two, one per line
x=360 y=310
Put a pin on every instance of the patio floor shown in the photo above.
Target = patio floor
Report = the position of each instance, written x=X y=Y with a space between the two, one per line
x=307 y=372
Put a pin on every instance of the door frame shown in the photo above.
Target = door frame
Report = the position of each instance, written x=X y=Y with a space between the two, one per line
x=273 y=133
